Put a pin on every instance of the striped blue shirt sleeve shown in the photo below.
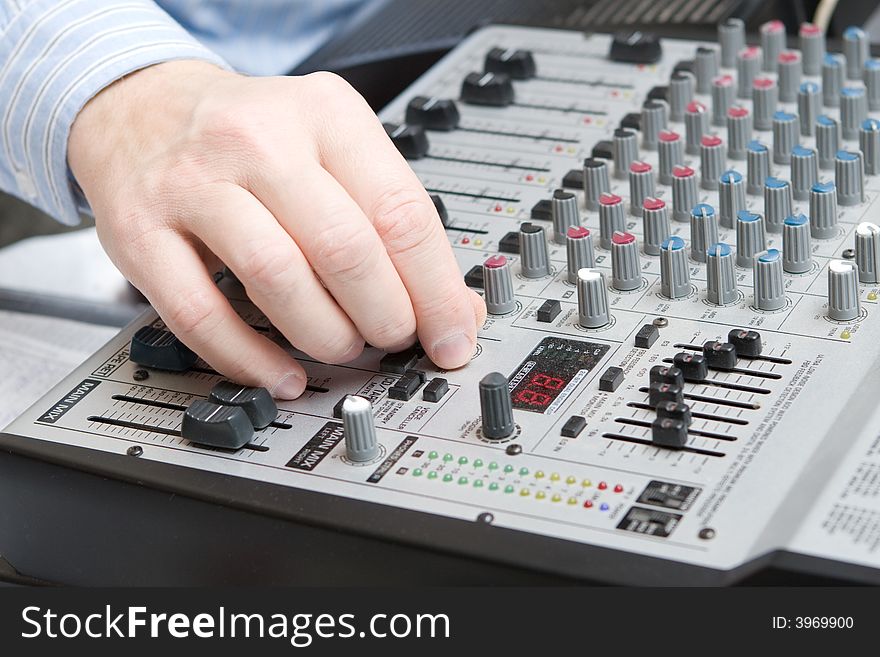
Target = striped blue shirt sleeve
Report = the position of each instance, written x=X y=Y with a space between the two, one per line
x=55 y=55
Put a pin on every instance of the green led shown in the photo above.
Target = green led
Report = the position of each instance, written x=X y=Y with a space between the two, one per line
x=462 y=480
x=493 y=486
x=478 y=463
x=508 y=489
x=432 y=475
x=478 y=483
x=463 y=460
x=523 y=471
x=493 y=465
x=508 y=468
x=432 y=454
x=447 y=457
x=447 y=477
x=417 y=472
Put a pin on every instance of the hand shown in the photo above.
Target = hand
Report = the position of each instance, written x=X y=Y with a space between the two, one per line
x=291 y=183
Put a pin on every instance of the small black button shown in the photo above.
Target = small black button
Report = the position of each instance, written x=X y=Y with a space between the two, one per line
x=410 y=140
x=603 y=149
x=675 y=410
x=692 y=366
x=659 y=92
x=574 y=179
x=720 y=355
x=400 y=362
x=433 y=113
x=542 y=210
x=160 y=349
x=747 y=343
x=435 y=390
x=611 y=379
x=474 y=276
x=573 y=426
x=493 y=89
x=663 y=392
x=646 y=336
x=685 y=65
x=666 y=432
x=665 y=374
x=549 y=310
x=206 y=423
x=337 y=407
x=256 y=402
x=635 y=48
x=508 y=244
x=442 y=212
x=518 y=64
x=406 y=386
x=632 y=121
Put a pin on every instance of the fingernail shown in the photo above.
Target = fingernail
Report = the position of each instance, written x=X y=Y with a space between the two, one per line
x=289 y=386
x=454 y=351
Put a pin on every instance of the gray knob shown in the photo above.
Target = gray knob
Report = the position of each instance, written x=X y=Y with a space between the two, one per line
x=596 y=182
x=796 y=254
x=868 y=252
x=869 y=145
x=579 y=251
x=682 y=86
x=732 y=37
x=872 y=83
x=757 y=167
x=696 y=124
x=722 y=98
x=843 y=291
x=655 y=225
x=611 y=218
x=496 y=407
x=769 y=282
x=751 y=237
x=777 y=203
x=823 y=211
x=641 y=185
x=625 y=150
x=827 y=140
x=706 y=61
x=732 y=197
x=790 y=73
x=711 y=161
x=808 y=107
x=832 y=79
x=785 y=136
x=853 y=111
x=498 y=286
x=671 y=154
x=804 y=171
x=720 y=277
x=748 y=65
x=812 y=42
x=653 y=121
x=359 y=429
x=855 y=49
x=675 y=275
x=535 y=258
x=739 y=132
x=626 y=270
x=565 y=213
x=772 y=43
x=765 y=98
x=684 y=192
x=849 y=178
x=704 y=230
x=592 y=299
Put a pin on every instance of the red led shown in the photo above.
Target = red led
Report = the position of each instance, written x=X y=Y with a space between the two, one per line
x=618 y=488
x=602 y=485
x=588 y=120
x=588 y=504
x=498 y=208
x=465 y=240
x=558 y=149
x=530 y=177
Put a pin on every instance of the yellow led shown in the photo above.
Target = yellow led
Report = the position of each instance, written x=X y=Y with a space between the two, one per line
x=586 y=483
x=556 y=497
x=511 y=210
x=845 y=335
x=570 y=479
x=571 y=150
x=872 y=296
x=539 y=474
x=572 y=500
x=540 y=495
x=524 y=492
x=542 y=179
x=554 y=476
x=478 y=242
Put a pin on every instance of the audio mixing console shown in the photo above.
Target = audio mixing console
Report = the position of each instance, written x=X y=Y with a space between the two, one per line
x=677 y=382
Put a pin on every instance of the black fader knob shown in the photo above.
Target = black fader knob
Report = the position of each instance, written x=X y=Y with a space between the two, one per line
x=256 y=402
x=635 y=48
x=720 y=355
x=518 y=64
x=410 y=140
x=675 y=411
x=664 y=374
x=670 y=433
x=160 y=349
x=433 y=113
x=207 y=423
x=494 y=89
x=747 y=342
x=442 y=212
x=659 y=393
x=693 y=366
x=496 y=407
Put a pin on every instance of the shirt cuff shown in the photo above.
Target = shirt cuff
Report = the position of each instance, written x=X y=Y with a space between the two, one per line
x=54 y=57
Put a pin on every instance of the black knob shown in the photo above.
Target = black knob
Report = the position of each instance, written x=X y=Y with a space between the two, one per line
x=518 y=64
x=493 y=89
x=496 y=407
x=635 y=48
x=160 y=349
x=747 y=343
x=664 y=392
x=667 y=432
x=719 y=355
x=692 y=366
x=256 y=402
x=207 y=423
x=410 y=140
x=664 y=374
x=675 y=411
x=442 y=212
x=433 y=113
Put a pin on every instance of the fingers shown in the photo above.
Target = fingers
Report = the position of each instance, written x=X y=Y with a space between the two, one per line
x=276 y=275
x=171 y=275
x=345 y=251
